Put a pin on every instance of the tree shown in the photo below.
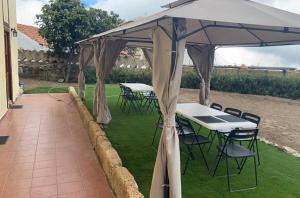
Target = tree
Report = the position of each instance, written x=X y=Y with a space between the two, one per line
x=64 y=22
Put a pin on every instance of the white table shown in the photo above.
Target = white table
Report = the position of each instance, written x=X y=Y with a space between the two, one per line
x=138 y=87
x=190 y=110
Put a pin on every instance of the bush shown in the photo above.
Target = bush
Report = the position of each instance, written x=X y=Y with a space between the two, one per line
x=258 y=84
x=245 y=83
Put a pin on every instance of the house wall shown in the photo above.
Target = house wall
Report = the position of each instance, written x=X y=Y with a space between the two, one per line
x=8 y=15
x=26 y=43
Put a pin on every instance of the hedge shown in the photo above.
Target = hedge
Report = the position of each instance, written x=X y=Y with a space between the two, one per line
x=245 y=83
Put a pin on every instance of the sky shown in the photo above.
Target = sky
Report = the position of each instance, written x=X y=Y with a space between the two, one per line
x=284 y=56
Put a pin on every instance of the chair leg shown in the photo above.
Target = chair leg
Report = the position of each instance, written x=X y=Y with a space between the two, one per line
x=217 y=165
x=258 y=157
x=212 y=140
x=255 y=170
x=154 y=134
x=119 y=99
x=228 y=174
x=186 y=164
x=203 y=156
x=157 y=125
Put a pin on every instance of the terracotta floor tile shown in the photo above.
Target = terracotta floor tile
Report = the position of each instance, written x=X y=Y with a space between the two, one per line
x=44 y=191
x=44 y=181
x=21 y=174
x=67 y=169
x=69 y=177
x=13 y=193
x=45 y=164
x=99 y=192
x=44 y=172
x=18 y=184
x=44 y=157
x=70 y=187
x=80 y=194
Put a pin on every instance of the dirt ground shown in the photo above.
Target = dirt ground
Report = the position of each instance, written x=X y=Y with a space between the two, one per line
x=280 y=118
x=280 y=122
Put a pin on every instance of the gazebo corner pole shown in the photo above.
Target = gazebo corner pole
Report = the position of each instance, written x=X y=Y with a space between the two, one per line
x=174 y=46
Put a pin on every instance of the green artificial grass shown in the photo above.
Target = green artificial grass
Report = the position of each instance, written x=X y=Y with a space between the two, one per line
x=46 y=90
x=131 y=134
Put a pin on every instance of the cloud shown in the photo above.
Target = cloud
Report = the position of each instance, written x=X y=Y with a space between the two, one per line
x=28 y=9
x=289 y=5
x=281 y=56
x=129 y=9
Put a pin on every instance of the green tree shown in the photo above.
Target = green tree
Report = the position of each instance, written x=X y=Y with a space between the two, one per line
x=64 y=22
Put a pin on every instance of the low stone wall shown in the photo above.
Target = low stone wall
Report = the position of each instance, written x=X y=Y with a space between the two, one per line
x=120 y=180
x=43 y=65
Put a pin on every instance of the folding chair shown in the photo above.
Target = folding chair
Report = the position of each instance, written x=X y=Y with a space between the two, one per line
x=131 y=100
x=236 y=151
x=159 y=123
x=121 y=96
x=255 y=119
x=150 y=99
x=234 y=112
x=216 y=106
x=188 y=137
x=212 y=134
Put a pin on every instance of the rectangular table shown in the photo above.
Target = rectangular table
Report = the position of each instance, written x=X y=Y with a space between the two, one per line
x=212 y=119
x=138 y=87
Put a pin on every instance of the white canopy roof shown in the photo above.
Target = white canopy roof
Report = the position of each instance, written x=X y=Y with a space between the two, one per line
x=217 y=22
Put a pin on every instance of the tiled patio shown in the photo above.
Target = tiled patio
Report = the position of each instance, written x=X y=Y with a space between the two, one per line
x=48 y=153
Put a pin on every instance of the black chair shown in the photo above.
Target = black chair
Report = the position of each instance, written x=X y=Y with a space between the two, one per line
x=159 y=124
x=231 y=150
x=188 y=137
x=121 y=96
x=212 y=134
x=216 y=106
x=234 y=112
x=131 y=100
x=255 y=119
x=150 y=99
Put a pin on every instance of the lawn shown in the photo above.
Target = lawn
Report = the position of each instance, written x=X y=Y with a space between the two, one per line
x=46 y=90
x=131 y=135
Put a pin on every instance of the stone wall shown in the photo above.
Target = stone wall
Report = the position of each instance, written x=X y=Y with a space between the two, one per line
x=43 y=66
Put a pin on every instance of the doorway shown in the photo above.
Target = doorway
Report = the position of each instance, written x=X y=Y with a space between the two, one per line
x=8 y=68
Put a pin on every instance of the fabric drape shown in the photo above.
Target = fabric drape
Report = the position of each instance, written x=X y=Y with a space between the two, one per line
x=166 y=83
x=148 y=53
x=85 y=57
x=203 y=60
x=106 y=53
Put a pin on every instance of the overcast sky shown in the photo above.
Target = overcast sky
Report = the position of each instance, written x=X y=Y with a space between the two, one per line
x=287 y=56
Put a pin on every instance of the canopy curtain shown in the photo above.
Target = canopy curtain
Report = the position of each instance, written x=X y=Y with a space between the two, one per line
x=106 y=53
x=203 y=60
x=148 y=53
x=85 y=57
x=166 y=78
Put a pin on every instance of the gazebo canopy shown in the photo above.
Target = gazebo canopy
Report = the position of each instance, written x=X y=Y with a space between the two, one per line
x=215 y=22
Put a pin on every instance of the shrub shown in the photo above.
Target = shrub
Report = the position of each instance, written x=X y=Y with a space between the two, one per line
x=258 y=83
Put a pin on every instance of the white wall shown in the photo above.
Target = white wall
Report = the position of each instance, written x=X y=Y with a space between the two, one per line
x=26 y=43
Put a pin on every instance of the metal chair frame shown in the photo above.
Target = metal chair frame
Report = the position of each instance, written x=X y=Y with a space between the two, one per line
x=197 y=140
x=230 y=150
